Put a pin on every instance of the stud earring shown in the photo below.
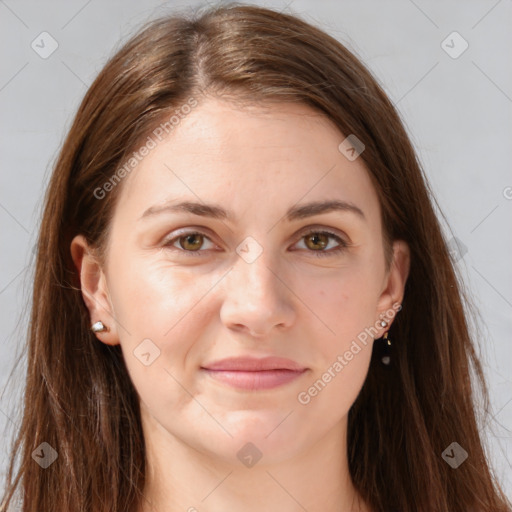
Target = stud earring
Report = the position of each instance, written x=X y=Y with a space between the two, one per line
x=99 y=327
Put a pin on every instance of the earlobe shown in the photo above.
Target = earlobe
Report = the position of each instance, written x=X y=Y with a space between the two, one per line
x=94 y=290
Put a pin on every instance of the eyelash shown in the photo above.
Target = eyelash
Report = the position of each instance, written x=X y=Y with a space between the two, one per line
x=343 y=245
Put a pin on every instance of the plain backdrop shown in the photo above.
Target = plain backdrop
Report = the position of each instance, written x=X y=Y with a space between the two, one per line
x=456 y=103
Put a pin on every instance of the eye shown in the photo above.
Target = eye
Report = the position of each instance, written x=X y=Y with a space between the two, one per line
x=317 y=240
x=189 y=243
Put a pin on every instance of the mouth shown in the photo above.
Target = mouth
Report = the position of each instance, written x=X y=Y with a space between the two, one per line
x=254 y=374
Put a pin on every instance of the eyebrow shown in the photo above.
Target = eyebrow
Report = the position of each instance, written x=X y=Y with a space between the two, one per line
x=214 y=211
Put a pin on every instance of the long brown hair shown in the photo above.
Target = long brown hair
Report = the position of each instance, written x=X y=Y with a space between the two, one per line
x=79 y=398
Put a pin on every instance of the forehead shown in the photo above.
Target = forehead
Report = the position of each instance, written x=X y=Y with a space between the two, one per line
x=251 y=158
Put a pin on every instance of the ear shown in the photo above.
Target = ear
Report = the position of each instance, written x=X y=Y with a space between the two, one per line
x=94 y=289
x=394 y=283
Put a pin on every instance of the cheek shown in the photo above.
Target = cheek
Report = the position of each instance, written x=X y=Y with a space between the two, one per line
x=347 y=309
x=346 y=305
x=341 y=370
x=159 y=312
x=154 y=297
x=345 y=301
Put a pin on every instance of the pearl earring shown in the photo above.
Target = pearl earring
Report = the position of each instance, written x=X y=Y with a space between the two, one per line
x=99 y=327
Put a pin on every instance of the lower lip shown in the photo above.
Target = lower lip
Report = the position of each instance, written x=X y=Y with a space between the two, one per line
x=255 y=380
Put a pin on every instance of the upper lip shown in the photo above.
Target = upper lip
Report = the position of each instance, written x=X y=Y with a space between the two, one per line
x=253 y=364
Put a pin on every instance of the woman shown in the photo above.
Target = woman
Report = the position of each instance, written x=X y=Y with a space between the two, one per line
x=243 y=299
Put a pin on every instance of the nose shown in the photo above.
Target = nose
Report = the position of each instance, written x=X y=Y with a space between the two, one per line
x=257 y=298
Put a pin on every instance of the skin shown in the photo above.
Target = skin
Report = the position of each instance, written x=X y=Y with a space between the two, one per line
x=257 y=161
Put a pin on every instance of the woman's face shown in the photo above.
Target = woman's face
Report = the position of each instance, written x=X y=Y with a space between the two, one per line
x=238 y=275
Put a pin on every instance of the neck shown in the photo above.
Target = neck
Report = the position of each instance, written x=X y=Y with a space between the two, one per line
x=181 y=478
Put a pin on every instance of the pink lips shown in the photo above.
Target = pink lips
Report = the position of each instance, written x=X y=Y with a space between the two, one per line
x=254 y=374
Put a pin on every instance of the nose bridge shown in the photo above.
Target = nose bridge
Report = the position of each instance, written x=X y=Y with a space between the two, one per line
x=253 y=269
x=255 y=296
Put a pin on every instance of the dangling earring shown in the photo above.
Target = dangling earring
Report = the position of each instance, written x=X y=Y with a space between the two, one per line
x=386 y=345
x=99 y=327
x=386 y=349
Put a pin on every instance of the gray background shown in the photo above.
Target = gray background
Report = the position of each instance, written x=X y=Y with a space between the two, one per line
x=457 y=111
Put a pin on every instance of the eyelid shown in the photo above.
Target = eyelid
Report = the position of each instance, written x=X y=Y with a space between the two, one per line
x=323 y=229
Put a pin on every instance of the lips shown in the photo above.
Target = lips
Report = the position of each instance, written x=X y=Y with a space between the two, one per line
x=254 y=374
x=252 y=364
